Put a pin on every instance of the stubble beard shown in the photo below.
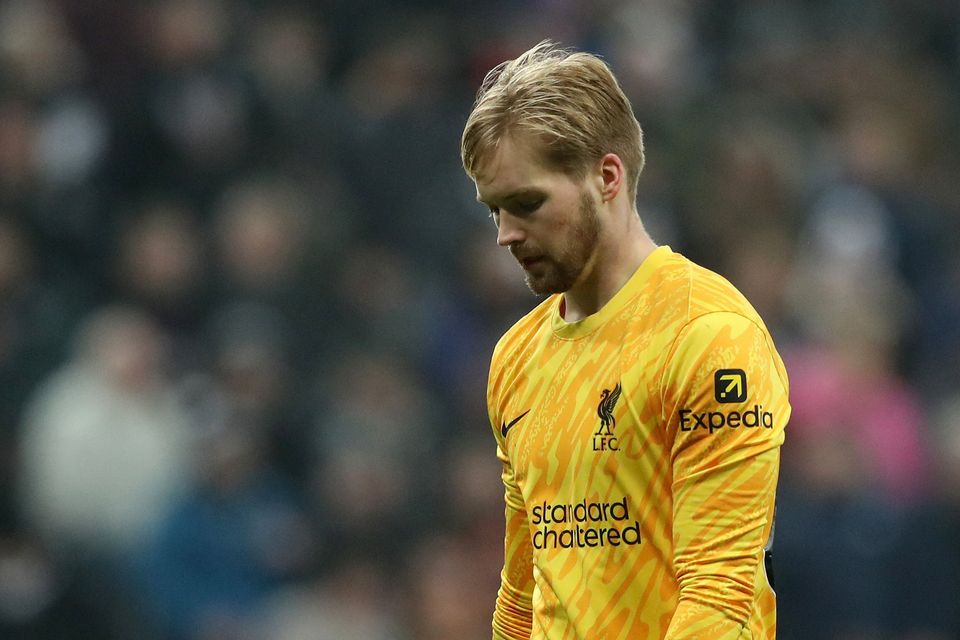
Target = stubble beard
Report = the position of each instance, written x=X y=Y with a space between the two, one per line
x=561 y=273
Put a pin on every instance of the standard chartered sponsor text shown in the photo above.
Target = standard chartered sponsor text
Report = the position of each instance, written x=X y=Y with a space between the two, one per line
x=584 y=524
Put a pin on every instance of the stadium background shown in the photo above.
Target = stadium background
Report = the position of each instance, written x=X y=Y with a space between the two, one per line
x=247 y=301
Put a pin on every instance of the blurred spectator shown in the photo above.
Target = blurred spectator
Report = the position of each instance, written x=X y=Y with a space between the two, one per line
x=18 y=131
x=379 y=302
x=104 y=440
x=405 y=133
x=251 y=346
x=353 y=600
x=853 y=309
x=290 y=57
x=199 y=102
x=927 y=561
x=262 y=237
x=836 y=532
x=375 y=438
x=160 y=267
x=939 y=350
x=269 y=250
x=448 y=589
x=466 y=323
x=655 y=48
x=226 y=545
x=38 y=599
x=36 y=47
x=104 y=448
x=34 y=316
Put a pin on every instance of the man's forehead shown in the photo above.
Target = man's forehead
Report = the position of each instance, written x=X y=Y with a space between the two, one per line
x=511 y=166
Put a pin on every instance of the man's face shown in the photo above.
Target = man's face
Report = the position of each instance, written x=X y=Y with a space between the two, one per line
x=547 y=219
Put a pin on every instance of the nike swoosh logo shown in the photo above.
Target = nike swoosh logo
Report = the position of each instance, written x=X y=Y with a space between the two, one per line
x=504 y=427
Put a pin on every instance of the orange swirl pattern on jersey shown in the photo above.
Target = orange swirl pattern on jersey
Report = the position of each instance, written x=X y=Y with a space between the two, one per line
x=640 y=482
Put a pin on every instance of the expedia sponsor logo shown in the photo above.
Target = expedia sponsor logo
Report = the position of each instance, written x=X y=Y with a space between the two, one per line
x=730 y=385
x=711 y=421
x=584 y=524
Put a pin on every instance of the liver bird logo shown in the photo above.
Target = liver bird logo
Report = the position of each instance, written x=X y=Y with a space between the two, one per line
x=608 y=400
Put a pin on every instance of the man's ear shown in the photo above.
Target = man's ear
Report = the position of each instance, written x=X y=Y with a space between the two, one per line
x=611 y=176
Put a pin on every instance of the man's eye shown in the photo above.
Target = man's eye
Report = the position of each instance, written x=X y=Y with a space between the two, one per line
x=529 y=207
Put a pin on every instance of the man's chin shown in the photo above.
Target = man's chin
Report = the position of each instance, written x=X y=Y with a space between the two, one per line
x=547 y=283
x=539 y=288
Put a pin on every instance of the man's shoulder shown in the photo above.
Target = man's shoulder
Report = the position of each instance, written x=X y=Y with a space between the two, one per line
x=705 y=291
x=525 y=329
x=714 y=307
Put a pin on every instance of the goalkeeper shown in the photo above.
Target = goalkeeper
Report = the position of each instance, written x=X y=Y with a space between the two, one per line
x=639 y=410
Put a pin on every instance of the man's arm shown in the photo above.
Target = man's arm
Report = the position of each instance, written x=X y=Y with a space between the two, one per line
x=721 y=524
x=513 y=615
x=725 y=404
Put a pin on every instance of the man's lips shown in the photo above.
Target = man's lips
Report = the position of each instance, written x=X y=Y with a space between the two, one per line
x=530 y=261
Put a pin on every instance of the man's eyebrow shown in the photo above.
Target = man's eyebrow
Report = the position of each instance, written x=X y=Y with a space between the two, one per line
x=513 y=195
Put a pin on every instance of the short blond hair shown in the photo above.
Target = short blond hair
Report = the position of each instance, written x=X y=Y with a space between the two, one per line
x=570 y=103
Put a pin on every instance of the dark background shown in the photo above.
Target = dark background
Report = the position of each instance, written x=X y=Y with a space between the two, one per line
x=247 y=301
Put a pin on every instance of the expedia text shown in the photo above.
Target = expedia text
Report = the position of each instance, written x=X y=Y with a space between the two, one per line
x=690 y=420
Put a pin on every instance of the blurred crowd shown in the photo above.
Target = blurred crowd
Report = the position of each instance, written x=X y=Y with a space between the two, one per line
x=247 y=301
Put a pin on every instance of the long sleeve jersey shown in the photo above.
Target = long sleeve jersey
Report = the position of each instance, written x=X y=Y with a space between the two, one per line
x=640 y=452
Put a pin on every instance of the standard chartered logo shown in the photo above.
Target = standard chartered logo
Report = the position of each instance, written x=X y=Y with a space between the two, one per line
x=584 y=524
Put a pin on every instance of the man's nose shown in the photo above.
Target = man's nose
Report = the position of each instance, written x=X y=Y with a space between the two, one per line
x=508 y=231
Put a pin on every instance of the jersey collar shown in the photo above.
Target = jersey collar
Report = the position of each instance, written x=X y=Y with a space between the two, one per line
x=574 y=330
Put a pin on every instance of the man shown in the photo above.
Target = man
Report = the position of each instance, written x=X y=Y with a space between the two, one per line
x=639 y=409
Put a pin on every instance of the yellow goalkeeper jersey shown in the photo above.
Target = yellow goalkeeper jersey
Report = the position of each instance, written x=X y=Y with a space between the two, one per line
x=640 y=451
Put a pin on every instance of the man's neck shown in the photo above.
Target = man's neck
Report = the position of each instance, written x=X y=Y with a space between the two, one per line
x=619 y=254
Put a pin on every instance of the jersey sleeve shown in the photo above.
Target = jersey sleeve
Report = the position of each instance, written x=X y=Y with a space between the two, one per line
x=513 y=614
x=724 y=399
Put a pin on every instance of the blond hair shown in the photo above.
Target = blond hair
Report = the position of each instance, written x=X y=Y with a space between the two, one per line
x=570 y=103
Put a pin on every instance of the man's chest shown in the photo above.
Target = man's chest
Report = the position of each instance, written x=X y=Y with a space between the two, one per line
x=582 y=420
